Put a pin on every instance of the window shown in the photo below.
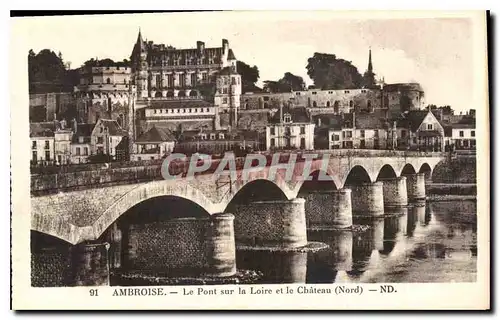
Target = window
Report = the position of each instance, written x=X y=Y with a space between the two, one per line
x=47 y=155
x=362 y=144
x=335 y=137
x=328 y=104
x=77 y=151
x=348 y=134
x=85 y=151
x=315 y=104
x=47 y=144
x=461 y=133
x=314 y=92
x=273 y=131
x=473 y=133
x=108 y=80
x=287 y=130
x=429 y=126
x=204 y=76
x=193 y=79
x=362 y=133
x=287 y=118
x=170 y=80
x=212 y=136
x=80 y=139
x=33 y=144
x=303 y=130
x=297 y=93
x=99 y=140
x=375 y=133
x=138 y=158
x=182 y=80
x=302 y=143
x=346 y=91
x=34 y=157
x=224 y=100
x=207 y=109
x=224 y=90
x=273 y=143
x=221 y=136
x=403 y=133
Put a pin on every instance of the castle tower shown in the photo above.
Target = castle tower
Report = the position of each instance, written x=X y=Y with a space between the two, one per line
x=140 y=66
x=369 y=76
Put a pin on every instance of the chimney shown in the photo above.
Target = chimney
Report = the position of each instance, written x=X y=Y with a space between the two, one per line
x=74 y=125
x=200 y=45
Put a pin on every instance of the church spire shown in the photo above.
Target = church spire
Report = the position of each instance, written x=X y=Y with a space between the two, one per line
x=139 y=36
x=370 y=66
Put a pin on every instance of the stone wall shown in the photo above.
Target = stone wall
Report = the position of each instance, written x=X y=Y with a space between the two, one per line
x=329 y=209
x=185 y=246
x=95 y=178
x=279 y=223
x=50 y=268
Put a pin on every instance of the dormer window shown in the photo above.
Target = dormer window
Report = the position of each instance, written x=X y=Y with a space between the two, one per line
x=221 y=136
x=287 y=118
x=212 y=136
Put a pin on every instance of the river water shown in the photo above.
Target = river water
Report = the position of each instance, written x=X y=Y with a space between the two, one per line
x=431 y=242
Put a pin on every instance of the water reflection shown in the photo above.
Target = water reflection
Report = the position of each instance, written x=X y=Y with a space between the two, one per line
x=421 y=243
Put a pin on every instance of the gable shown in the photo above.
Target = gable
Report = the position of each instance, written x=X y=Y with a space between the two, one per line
x=430 y=119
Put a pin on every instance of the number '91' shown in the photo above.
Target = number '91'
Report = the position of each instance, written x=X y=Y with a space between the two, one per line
x=93 y=292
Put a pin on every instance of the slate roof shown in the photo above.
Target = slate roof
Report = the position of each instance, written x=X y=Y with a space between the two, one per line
x=412 y=119
x=375 y=120
x=83 y=130
x=230 y=55
x=298 y=114
x=42 y=129
x=114 y=129
x=156 y=135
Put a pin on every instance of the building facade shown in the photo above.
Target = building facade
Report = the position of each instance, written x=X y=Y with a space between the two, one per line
x=153 y=144
x=290 y=128
x=106 y=136
x=193 y=77
x=420 y=130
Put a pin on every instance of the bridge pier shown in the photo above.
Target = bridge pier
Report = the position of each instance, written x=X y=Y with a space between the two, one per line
x=276 y=223
x=183 y=246
x=368 y=199
x=330 y=208
x=395 y=192
x=90 y=264
x=415 y=184
x=115 y=249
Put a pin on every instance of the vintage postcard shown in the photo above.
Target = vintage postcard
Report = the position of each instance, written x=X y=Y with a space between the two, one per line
x=250 y=160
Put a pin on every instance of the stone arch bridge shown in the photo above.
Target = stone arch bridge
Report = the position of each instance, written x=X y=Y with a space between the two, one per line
x=80 y=206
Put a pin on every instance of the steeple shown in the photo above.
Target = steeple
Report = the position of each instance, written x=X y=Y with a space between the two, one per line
x=369 y=76
x=370 y=66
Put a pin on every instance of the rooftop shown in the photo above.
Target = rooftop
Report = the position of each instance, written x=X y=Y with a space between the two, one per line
x=156 y=135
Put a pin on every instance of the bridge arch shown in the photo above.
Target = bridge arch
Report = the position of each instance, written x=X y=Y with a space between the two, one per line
x=174 y=188
x=386 y=172
x=256 y=190
x=357 y=175
x=426 y=169
x=408 y=169
x=318 y=181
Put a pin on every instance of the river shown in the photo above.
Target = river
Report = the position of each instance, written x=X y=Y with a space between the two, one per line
x=432 y=242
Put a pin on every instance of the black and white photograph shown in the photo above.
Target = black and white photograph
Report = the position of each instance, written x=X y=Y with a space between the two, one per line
x=216 y=154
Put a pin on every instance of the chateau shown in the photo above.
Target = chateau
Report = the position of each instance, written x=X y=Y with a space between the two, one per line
x=167 y=96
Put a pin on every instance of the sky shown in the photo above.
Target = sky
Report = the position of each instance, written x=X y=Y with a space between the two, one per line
x=436 y=52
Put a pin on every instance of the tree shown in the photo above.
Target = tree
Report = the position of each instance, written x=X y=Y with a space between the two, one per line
x=46 y=71
x=328 y=72
x=288 y=83
x=249 y=76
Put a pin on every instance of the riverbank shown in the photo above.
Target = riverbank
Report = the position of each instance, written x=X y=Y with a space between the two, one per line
x=451 y=191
